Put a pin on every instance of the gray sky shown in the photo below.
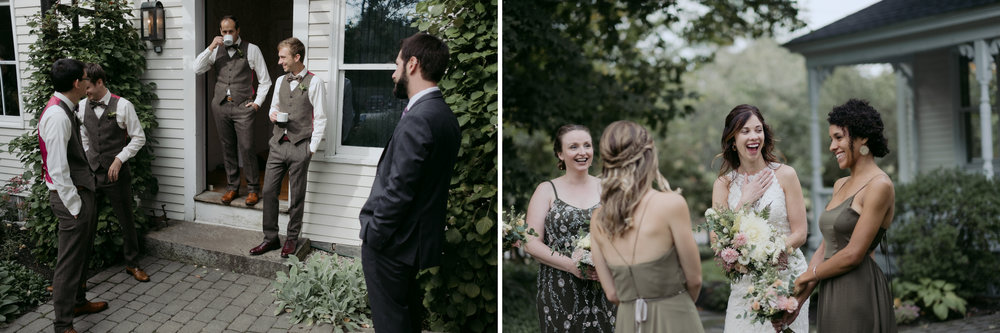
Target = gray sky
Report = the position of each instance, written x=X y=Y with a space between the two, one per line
x=819 y=13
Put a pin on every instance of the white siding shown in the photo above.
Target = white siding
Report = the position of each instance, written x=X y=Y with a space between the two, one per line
x=934 y=106
x=10 y=166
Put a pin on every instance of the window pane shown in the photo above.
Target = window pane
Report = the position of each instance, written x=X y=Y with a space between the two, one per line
x=8 y=73
x=374 y=29
x=370 y=110
x=974 y=136
x=6 y=34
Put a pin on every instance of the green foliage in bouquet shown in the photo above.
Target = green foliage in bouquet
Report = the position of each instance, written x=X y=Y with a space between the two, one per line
x=106 y=37
x=515 y=230
x=947 y=223
x=324 y=288
x=937 y=295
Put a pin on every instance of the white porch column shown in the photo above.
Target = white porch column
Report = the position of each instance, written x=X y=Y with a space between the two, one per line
x=904 y=106
x=980 y=54
x=816 y=77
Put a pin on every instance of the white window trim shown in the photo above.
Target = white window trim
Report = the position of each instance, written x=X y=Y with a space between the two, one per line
x=966 y=159
x=335 y=151
x=16 y=122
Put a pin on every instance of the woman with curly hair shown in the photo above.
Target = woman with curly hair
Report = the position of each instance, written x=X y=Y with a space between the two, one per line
x=568 y=300
x=854 y=294
x=642 y=244
x=751 y=176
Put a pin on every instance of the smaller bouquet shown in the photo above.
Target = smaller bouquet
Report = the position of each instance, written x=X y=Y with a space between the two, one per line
x=771 y=297
x=744 y=242
x=515 y=230
x=586 y=263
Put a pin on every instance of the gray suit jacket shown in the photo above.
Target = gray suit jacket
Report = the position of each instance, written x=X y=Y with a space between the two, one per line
x=405 y=213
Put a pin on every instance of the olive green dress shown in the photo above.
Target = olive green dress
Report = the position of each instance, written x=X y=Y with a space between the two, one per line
x=660 y=284
x=859 y=300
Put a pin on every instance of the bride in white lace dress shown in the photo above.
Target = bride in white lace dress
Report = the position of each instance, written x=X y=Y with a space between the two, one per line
x=752 y=176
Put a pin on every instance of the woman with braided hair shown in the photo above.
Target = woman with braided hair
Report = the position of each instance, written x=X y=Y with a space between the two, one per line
x=568 y=300
x=751 y=176
x=641 y=239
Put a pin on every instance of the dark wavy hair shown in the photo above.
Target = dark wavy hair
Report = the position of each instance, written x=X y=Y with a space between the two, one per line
x=557 y=141
x=861 y=121
x=734 y=122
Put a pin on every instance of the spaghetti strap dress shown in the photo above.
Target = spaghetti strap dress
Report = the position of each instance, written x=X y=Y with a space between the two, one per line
x=859 y=300
x=564 y=302
x=655 y=291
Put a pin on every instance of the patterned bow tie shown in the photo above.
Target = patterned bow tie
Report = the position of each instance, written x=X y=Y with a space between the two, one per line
x=291 y=78
x=95 y=104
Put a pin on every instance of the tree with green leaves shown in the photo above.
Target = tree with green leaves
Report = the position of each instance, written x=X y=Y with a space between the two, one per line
x=461 y=294
x=592 y=63
x=107 y=38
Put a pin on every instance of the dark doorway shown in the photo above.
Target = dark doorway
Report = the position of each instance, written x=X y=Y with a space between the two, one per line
x=264 y=23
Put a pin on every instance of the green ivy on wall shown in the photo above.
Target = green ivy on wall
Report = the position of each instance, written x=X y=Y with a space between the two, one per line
x=461 y=294
x=106 y=36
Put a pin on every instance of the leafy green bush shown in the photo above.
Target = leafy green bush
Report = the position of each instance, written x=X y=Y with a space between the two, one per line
x=106 y=37
x=936 y=295
x=20 y=290
x=519 y=293
x=946 y=223
x=324 y=288
x=461 y=294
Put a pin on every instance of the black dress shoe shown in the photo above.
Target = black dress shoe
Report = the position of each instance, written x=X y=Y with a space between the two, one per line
x=264 y=247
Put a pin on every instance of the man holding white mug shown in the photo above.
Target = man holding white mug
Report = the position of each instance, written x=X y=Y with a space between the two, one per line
x=234 y=103
x=298 y=108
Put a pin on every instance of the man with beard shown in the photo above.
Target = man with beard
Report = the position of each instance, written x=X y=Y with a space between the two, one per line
x=402 y=223
x=301 y=100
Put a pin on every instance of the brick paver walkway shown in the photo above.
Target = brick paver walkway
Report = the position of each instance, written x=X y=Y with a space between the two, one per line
x=179 y=298
x=986 y=323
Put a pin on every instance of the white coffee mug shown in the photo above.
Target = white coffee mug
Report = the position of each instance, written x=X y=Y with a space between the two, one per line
x=227 y=40
x=282 y=117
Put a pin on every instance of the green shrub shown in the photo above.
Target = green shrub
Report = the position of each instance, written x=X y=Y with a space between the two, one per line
x=946 y=223
x=936 y=295
x=20 y=290
x=519 y=294
x=106 y=37
x=324 y=288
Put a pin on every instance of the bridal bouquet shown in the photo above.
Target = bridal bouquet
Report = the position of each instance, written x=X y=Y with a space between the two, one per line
x=586 y=263
x=771 y=296
x=745 y=243
x=515 y=231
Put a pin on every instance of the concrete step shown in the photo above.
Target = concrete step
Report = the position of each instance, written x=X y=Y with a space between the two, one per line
x=218 y=246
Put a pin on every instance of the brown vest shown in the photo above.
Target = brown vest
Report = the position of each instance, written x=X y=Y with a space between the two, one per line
x=300 y=110
x=79 y=168
x=233 y=73
x=106 y=138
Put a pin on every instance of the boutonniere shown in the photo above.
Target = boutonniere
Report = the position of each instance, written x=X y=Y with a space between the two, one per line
x=302 y=87
x=112 y=114
x=239 y=53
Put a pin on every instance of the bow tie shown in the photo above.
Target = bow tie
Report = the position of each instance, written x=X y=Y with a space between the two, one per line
x=291 y=78
x=94 y=104
x=235 y=45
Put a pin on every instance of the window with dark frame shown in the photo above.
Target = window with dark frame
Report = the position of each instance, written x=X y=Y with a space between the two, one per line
x=8 y=63
x=969 y=95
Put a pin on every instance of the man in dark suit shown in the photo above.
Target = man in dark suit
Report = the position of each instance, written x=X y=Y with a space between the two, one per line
x=402 y=223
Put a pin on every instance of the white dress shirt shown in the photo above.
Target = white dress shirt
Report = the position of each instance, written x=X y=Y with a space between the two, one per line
x=206 y=59
x=416 y=97
x=126 y=118
x=55 y=128
x=317 y=96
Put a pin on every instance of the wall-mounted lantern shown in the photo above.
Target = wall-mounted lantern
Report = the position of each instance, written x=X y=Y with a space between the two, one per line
x=152 y=25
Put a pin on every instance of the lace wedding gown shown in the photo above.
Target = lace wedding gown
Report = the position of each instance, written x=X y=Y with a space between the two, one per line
x=778 y=219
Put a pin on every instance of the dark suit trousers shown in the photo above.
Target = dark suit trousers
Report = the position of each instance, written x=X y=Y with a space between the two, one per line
x=284 y=156
x=235 y=124
x=393 y=292
x=120 y=195
x=76 y=239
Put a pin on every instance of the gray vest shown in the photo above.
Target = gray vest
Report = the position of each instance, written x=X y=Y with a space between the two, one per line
x=106 y=138
x=233 y=73
x=300 y=110
x=79 y=168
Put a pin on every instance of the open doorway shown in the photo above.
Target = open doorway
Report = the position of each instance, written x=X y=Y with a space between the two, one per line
x=264 y=23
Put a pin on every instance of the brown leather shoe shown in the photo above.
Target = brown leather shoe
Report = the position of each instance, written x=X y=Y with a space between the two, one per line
x=289 y=248
x=90 y=307
x=252 y=199
x=49 y=288
x=264 y=247
x=228 y=197
x=69 y=330
x=137 y=273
